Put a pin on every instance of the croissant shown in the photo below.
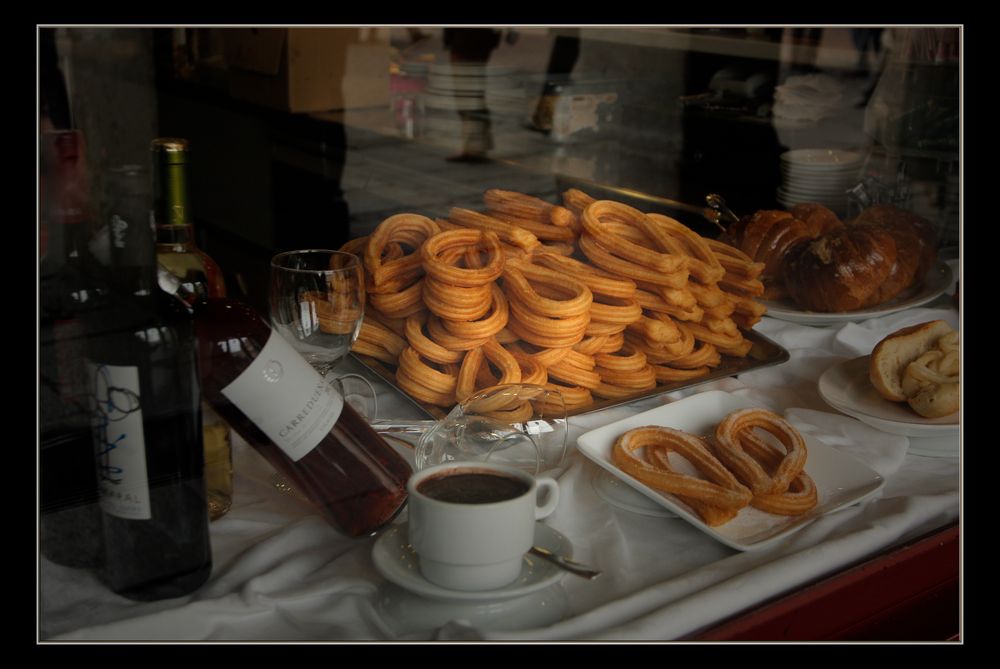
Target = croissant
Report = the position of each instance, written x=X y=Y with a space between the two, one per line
x=768 y=235
x=824 y=264
x=871 y=260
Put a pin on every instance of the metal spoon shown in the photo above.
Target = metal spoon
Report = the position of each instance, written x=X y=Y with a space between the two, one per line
x=569 y=565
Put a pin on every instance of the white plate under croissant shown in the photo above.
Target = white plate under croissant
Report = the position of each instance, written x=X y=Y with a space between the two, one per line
x=934 y=285
x=846 y=387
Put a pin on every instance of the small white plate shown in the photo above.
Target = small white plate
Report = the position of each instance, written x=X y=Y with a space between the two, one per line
x=396 y=560
x=617 y=493
x=840 y=479
x=934 y=284
x=845 y=387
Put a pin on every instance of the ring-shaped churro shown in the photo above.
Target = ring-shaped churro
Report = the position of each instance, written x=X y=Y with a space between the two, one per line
x=643 y=378
x=591 y=344
x=576 y=200
x=735 y=261
x=410 y=229
x=573 y=375
x=506 y=232
x=518 y=204
x=574 y=397
x=719 y=340
x=645 y=255
x=375 y=333
x=666 y=374
x=440 y=335
x=456 y=303
x=402 y=304
x=544 y=231
x=546 y=332
x=703 y=355
x=801 y=495
x=627 y=359
x=652 y=301
x=598 y=329
x=438 y=245
x=722 y=489
x=422 y=393
x=424 y=345
x=427 y=374
x=598 y=280
x=531 y=370
x=532 y=285
x=671 y=234
x=605 y=259
x=736 y=429
x=615 y=310
x=656 y=331
x=494 y=320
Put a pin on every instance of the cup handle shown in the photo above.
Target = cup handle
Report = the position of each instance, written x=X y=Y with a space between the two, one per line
x=545 y=510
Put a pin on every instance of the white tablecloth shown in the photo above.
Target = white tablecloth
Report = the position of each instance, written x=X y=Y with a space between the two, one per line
x=281 y=573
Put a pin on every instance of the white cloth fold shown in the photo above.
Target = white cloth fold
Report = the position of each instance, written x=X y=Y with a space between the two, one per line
x=282 y=574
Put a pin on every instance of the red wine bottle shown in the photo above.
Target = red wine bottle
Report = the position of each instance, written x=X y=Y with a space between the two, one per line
x=283 y=408
x=146 y=416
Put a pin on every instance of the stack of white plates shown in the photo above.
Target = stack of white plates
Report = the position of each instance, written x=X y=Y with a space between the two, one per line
x=818 y=175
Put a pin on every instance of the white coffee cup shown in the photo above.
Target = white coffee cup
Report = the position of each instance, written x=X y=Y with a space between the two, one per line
x=472 y=523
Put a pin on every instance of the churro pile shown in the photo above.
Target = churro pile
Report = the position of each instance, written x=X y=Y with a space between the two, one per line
x=592 y=298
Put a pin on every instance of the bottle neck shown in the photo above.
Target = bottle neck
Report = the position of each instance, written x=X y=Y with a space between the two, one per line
x=170 y=187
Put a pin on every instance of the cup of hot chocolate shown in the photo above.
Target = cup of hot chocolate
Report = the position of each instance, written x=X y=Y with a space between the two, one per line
x=472 y=523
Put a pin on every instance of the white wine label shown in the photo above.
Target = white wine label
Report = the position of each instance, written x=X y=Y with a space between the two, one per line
x=119 y=443
x=286 y=398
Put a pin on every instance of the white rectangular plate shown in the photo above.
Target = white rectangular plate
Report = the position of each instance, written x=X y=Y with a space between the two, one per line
x=840 y=479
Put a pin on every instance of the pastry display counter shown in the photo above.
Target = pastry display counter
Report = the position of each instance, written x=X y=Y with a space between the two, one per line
x=657 y=134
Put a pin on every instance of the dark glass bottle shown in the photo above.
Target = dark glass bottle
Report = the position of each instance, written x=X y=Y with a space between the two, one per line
x=146 y=416
x=283 y=408
x=69 y=288
x=177 y=251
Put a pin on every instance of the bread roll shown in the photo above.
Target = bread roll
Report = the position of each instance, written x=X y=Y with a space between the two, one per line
x=892 y=355
x=936 y=401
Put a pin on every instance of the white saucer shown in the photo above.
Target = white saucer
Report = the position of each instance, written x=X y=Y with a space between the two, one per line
x=616 y=493
x=407 y=613
x=396 y=560
x=935 y=447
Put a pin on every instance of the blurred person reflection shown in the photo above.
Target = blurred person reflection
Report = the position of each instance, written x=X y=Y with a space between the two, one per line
x=565 y=52
x=864 y=38
x=472 y=46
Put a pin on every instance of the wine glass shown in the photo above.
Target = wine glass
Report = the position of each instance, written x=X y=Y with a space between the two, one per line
x=519 y=424
x=317 y=299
